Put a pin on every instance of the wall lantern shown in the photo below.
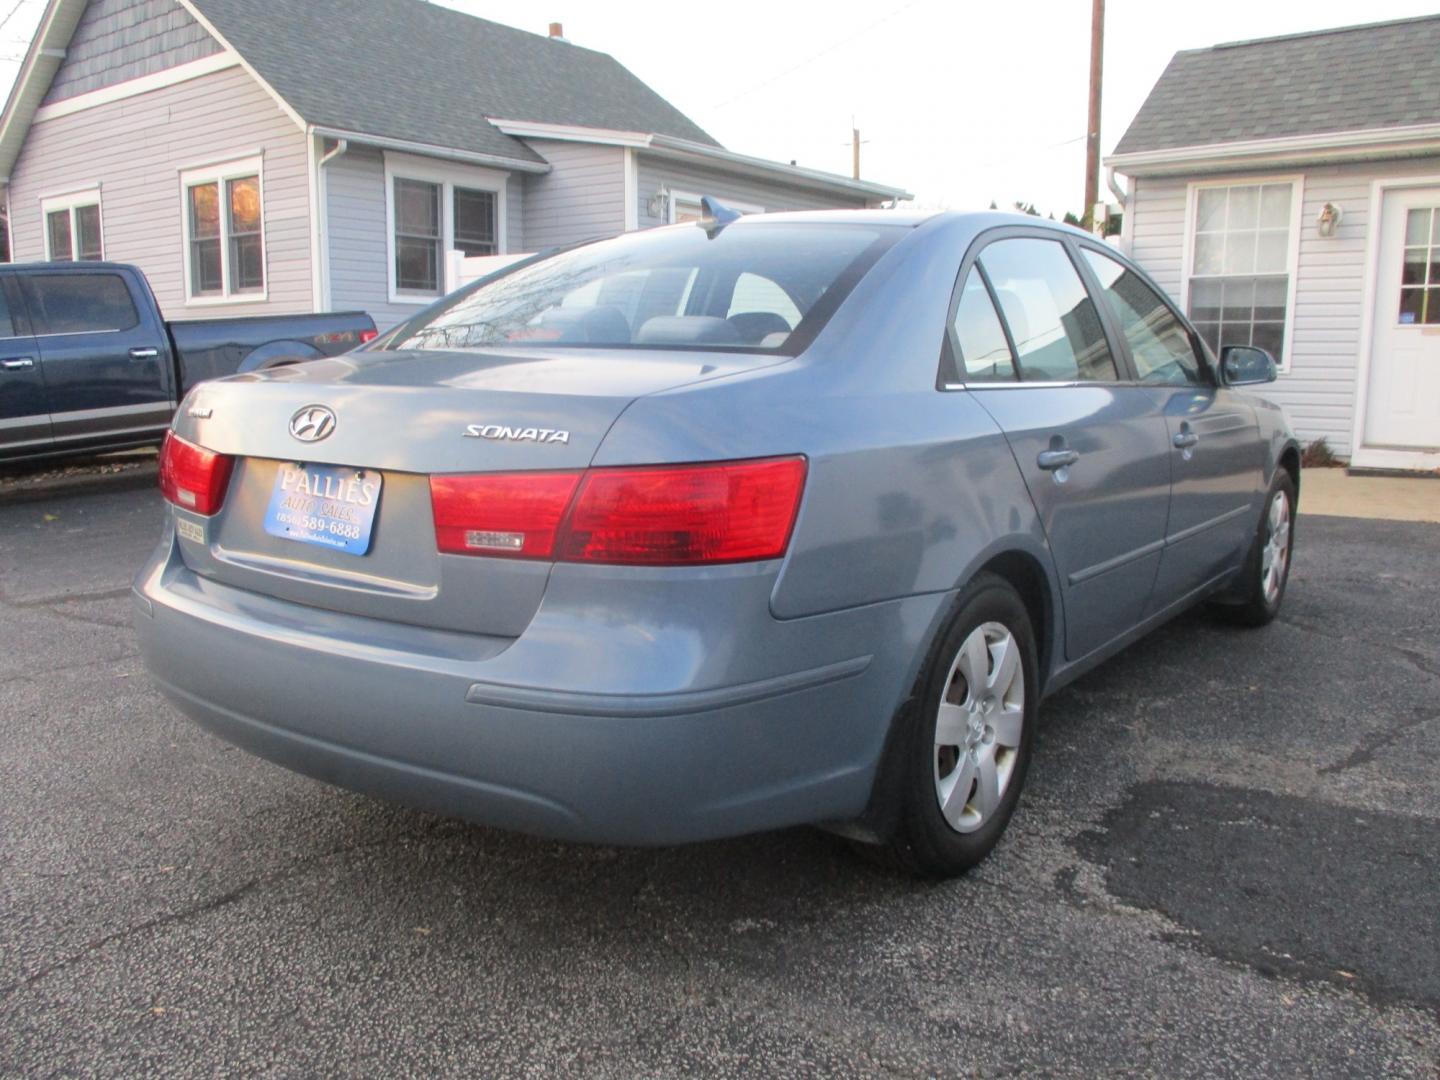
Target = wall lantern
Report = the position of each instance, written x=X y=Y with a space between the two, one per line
x=1329 y=219
x=659 y=205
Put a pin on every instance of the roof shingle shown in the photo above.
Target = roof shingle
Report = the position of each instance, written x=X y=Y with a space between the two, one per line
x=1349 y=79
x=414 y=71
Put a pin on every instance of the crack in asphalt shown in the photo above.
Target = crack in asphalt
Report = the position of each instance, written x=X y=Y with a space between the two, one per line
x=205 y=907
x=1376 y=741
x=1411 y=657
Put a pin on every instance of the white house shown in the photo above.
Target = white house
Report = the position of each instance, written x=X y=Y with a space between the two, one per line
x=1287 y=192
x=308 y=155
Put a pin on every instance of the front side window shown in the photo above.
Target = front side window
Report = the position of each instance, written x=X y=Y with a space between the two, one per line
x=983 y=352
x=70 y=303
x=1052 y=320
x=1159 y=342
x=224 y=232
x=1420 y=274
x=1239 y=272
x=72 y=228
x=667 y=288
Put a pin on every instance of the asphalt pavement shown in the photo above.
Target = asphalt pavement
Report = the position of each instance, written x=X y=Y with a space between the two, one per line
x=1226 y=863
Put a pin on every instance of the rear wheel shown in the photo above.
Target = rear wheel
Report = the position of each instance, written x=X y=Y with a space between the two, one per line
x=1267 y=566
x=967 y=744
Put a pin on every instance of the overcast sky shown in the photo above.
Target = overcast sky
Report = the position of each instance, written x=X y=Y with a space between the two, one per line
x=959 y=102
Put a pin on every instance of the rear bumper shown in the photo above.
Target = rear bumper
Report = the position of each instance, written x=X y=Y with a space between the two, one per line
x=451 y=724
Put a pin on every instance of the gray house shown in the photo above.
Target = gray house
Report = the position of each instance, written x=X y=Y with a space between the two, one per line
x=1287 y=192
x=296 y=155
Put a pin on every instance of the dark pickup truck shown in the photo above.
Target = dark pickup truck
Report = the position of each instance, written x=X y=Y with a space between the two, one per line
x=88 y=363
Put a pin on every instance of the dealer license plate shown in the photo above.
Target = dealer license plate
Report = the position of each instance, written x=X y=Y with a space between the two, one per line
x=329 y=505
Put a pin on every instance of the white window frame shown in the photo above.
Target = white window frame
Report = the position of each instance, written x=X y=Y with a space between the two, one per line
x=218 y=173
x=1292 y=261
x=71 y=201
x=690 y=197
x=449 y=175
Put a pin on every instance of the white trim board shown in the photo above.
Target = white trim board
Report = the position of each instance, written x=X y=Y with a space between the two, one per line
x=1324 y=146
x=145 y=84
x=1292 y=255
x=1362 y=456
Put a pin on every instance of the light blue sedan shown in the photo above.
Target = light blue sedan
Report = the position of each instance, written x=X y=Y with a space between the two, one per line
x=722 y=527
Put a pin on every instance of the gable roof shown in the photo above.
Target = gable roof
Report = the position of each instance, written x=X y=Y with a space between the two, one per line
x=1354 y=78
x=421 y=73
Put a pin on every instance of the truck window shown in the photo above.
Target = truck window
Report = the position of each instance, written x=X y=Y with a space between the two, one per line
x=7 y=325
x=80 y=303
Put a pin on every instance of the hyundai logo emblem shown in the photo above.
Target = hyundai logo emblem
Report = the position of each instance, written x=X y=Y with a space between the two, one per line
x=312 y=423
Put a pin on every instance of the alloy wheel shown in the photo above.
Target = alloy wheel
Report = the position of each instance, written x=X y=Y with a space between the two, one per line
x=1275 y=557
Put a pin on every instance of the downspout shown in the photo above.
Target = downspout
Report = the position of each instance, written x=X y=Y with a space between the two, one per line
x=322 y=195
x=1123 y=198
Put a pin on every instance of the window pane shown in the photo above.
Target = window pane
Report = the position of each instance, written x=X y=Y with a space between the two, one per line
x=1270 y=298
x=58 y=222
x=77 y=303
x=1432 y=306
x=1205 y=300
x=417 y=208
x=984 y=353
x=1270 y=337
x=1240 y=252
x=1412 y=305
x=1238 y=303
x=1052 y=320
x=1275 y=207
x=205 y=210
x=475 y=221
x=1159 y=343
x=417 y=264
x=1210 y=216
x=7 y=326
x=247 y=264
x=244 y=202
x=1272 y=255
x=1244 y=208
x=1209 y=253
x=1435 y=226
x=87 y=224
x=205 y=276
x=1417 y=227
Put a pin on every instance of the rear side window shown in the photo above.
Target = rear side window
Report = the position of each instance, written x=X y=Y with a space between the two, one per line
x=1159 y=344
x=79 y=303
x=1052 y=320
x=980 y=343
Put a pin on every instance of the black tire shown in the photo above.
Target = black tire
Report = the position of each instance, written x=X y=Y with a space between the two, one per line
x=924 y=841
x=1253 y=605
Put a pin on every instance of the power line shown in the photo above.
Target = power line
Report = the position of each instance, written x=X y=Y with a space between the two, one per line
x=13 y=12
x=811 y=59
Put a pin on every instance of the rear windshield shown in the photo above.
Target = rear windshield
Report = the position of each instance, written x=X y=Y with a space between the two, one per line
x=751 y=286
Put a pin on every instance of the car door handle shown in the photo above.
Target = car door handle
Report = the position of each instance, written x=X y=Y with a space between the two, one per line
x=17 y=363
x=144 y=353
x=1183 y=440
x=1056 y=459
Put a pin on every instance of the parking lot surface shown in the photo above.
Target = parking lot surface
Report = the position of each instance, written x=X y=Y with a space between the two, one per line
x=1226 y=863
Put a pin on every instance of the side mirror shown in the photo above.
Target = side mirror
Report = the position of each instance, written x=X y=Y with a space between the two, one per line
x=1245 y=365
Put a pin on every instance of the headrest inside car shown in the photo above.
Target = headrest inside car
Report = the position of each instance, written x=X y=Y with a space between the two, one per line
x=687 y=330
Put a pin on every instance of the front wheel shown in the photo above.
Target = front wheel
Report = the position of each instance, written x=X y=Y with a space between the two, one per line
x=967 y=743
x=1266 y=572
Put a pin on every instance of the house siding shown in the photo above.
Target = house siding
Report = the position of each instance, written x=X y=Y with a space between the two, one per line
x=581 y=198
x=133 y=150
x=119 y=40
x=1318 y=392
x=654 y=173
x=356 y=245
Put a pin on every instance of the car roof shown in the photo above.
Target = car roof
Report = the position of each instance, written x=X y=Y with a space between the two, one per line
x=978 y=220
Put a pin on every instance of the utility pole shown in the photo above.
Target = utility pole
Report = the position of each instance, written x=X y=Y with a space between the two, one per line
x=1092 y=131
x=855 y=152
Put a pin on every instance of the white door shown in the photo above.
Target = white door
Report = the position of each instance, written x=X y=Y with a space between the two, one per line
x=1402 y=409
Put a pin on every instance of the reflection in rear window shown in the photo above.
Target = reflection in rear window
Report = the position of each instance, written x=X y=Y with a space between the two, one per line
x=750 y=286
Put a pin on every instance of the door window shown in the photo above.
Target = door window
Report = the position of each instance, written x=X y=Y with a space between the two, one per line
x=1052 y=320
x=983 y=353
x=80 y=303
x=7 y=325
x=1159 y=343
x=1420 y=275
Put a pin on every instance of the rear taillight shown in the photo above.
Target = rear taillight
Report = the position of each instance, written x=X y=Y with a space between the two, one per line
x=512 y=514
x=367 y=336
x=192 y=477
x=678 y=515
